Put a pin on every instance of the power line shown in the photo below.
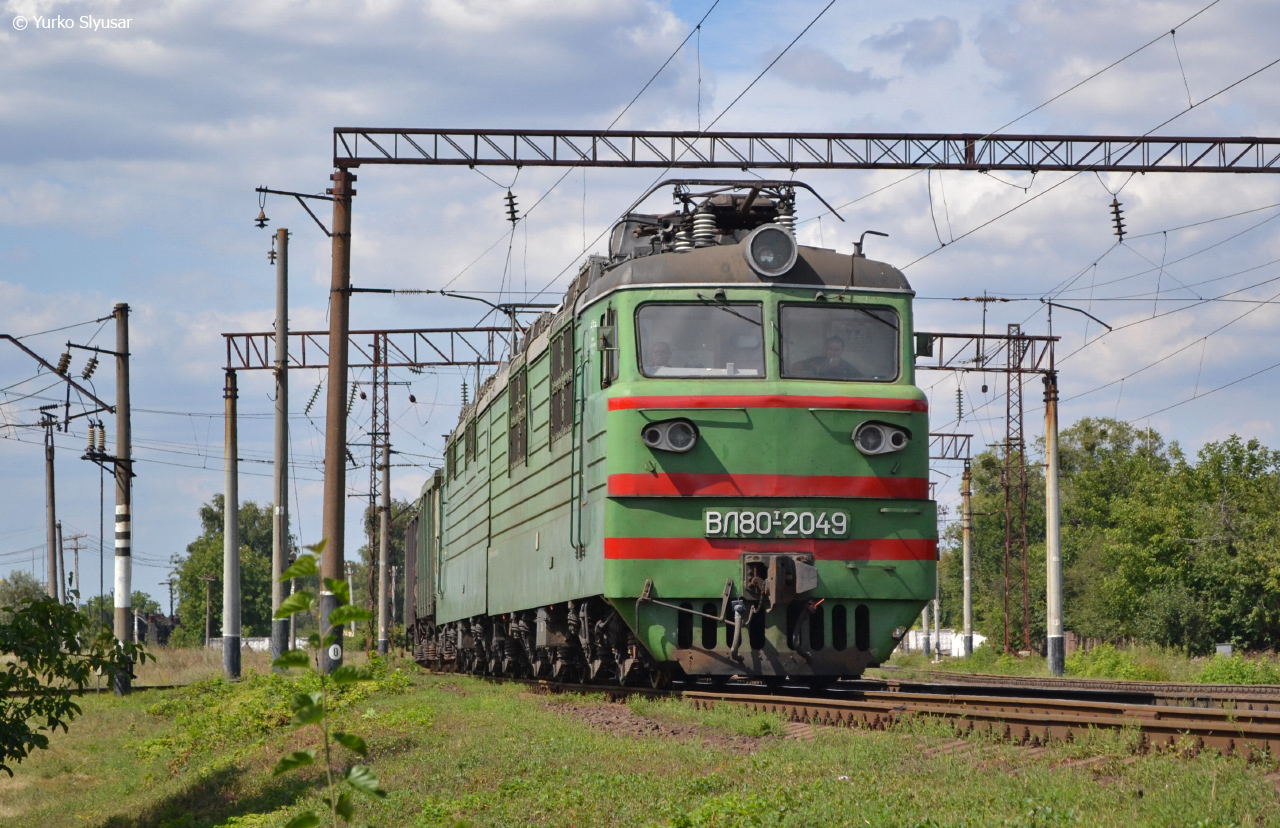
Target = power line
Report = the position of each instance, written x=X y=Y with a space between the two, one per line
x=990 y=221
x=1037 y=108
x=615 y=120
x=1193 y=398
x=714 y=121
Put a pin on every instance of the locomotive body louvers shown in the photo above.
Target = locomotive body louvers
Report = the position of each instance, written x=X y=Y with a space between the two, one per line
x=564 y=537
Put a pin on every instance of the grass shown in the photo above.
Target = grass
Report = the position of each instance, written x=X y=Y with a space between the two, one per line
x=1140 y=663
x=456 y=750
x=187 y=665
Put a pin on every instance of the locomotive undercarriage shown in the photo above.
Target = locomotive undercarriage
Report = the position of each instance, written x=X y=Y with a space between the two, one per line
x=583 y=641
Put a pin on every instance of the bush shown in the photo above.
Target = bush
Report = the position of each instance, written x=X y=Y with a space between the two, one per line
x=1106 y=661
x=1239 y=670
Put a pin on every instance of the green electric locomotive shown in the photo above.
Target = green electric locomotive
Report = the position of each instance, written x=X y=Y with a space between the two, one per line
x=710 y=461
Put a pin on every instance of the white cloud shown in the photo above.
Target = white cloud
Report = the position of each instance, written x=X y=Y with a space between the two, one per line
x=922 y=43
x=809 y=67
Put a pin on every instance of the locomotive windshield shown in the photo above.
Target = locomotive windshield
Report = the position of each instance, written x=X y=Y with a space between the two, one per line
x=839 y=343
x=704 y=340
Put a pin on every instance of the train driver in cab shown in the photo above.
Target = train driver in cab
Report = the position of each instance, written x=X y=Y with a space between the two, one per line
x=830 y=364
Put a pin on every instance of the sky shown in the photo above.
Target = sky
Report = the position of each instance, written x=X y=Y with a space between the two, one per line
x=131 y=155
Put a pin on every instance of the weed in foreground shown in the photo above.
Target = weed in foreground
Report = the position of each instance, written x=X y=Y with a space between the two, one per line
x=313 y=708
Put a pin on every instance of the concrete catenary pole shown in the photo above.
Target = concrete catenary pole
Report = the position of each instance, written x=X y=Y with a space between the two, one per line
x=335 y=428
x=393 y=603
x=937 y=620
x=62 y=568
x=280 y=517
x=966 y=527
x=924 y=626
x=124 y=494
x=231 y=538
x=351 y=580
x=208 y=598
x=384 y=544
x=76 y=550
x=1053 y=528
x=50 y=510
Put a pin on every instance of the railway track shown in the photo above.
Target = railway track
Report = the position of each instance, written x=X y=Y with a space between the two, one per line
x=1028 y=720
x=1265 y=697
x=1025 y=720
x=1247 y=724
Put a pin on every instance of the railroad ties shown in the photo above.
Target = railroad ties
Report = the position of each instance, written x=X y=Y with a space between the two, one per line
x=1028 y=721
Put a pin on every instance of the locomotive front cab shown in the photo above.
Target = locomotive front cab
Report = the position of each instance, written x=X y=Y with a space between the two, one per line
x=766 y=508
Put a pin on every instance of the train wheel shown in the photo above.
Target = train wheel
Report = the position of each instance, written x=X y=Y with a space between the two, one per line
x=660 y=678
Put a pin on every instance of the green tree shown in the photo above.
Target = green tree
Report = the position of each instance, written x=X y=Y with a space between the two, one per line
x=18 y=587
x=51 y=652
x=104 y=606
x=1156 y=547
x=364 y=573
x=204 y=558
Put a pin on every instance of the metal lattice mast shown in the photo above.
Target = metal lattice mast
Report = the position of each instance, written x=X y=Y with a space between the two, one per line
x=379 y=428
x=384 y=508
x=1014 y=480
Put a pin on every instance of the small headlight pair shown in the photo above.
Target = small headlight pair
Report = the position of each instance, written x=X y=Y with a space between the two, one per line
x=880 y=438
x=671 y=435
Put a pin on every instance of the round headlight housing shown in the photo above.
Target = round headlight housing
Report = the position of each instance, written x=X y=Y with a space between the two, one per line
x=681 y=436
x=870 y=439
x=671 y=435
x=880 y=438
x=770 y=250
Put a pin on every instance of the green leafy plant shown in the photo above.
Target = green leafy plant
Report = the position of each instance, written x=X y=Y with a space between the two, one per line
x=313 y=708
x=1239 y=670
x=50 y=652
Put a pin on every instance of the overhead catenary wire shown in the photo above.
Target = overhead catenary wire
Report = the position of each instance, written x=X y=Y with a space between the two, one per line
x=696 y=29
x=1042 y=105
x=714 y=121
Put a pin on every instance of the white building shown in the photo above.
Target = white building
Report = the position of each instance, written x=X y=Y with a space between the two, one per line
x=950 y=642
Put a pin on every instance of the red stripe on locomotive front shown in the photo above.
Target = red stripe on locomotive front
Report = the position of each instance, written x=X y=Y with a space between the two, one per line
x=767 y=401
x=723 y=549
x=766 y=485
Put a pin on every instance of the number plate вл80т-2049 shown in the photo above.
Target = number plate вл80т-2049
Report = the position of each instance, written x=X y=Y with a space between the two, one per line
x=775 y=523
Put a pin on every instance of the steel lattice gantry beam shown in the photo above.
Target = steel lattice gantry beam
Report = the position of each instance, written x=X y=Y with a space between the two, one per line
x=985 y=352
x=356 y=146
x=405 y=348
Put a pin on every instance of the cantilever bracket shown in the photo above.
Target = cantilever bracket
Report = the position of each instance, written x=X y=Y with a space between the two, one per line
x=300 y=197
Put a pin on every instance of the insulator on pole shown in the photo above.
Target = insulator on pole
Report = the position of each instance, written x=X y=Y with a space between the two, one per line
x=351 y=403
x=959 y=404
x=102 y=437
x=314 y=396
x=89 y=368
x=464 y=393
x=1117 y=216
x=64 y=363
x=92 y=430
x=513 y=215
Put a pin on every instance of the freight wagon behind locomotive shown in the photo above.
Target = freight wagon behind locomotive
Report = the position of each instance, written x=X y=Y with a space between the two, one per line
x=710 y=460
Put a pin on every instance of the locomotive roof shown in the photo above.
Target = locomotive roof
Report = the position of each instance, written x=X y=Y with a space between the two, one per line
x=725 y=264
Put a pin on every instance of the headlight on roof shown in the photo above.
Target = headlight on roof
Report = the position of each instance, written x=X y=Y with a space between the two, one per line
x=770 y=250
